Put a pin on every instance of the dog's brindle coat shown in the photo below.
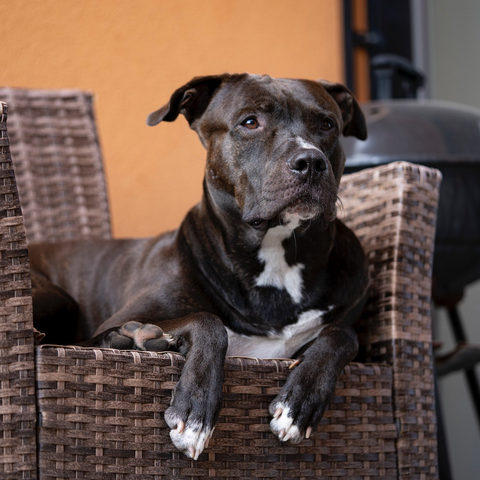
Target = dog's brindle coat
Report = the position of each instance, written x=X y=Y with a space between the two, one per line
x=260 y=267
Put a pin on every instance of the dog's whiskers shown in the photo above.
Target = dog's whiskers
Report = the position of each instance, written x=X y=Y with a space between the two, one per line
x=339 y=201
x=295 y=244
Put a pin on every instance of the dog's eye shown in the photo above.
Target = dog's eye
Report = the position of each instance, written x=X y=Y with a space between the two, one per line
x=251 y=123
x=327 y=124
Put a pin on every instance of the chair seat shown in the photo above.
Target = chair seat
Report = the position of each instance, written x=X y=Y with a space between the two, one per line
x=101 y=414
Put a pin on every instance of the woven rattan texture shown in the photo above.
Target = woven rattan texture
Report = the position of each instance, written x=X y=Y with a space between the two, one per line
x=102 y=418
x=101 y=411
x=58 y=164
x=17 y=387
x=393 y=211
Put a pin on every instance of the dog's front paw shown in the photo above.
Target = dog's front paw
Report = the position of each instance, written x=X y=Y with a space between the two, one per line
x=298 y=408
x=285 y=424
x=138 y=336
x=191 y=436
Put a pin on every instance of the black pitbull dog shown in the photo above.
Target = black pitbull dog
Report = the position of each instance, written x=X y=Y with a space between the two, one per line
x=260 y=267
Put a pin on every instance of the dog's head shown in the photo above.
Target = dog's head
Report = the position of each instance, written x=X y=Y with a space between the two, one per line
x=274 y=154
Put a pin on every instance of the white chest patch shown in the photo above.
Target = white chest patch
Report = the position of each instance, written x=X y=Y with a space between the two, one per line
x=277 y=344
x=277 y=273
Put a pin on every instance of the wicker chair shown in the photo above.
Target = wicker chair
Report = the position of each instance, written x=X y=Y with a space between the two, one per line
x=71 y=412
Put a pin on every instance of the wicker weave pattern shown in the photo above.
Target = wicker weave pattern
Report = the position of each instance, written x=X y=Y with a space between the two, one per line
x=101 y=410
x=102 y=418
x=17 y=386
x=57 y=164
x=393 y=211
x=406 y=195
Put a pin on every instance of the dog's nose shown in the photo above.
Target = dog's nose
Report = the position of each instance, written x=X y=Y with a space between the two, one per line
x=309 y=163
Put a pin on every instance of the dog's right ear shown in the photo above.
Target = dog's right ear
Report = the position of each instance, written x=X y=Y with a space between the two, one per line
x=191 y=100
x=353 y=118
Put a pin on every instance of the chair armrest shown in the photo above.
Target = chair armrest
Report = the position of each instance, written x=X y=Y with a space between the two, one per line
x=392 y=209
x=17 y=383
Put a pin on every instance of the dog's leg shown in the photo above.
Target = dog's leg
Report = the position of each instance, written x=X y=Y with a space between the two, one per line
x=299 y=406
x=197 y=398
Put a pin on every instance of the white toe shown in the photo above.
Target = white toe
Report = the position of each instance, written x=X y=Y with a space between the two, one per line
x=192 y=440
x=282 y=425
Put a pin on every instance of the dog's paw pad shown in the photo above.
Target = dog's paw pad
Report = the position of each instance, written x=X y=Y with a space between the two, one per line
x=141 y=337
x=120 y=342
x=157 y=344
x=191 y=437
x=282 y=424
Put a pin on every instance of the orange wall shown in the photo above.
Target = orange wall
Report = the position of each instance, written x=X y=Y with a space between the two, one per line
x=134 y=53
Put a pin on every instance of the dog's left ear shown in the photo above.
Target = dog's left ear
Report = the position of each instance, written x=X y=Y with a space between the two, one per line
x=354 y=123
x=191 y=100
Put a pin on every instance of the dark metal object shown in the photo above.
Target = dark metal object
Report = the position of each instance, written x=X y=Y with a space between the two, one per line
x=444 y=467
x=445 y=136
x=470 y=374
x=395 y=77
x=388 y=34
x=348 y=43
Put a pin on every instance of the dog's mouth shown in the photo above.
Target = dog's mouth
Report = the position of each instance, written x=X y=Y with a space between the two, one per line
x=303 y=209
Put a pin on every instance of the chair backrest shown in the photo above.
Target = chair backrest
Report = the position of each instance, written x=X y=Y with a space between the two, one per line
x=58 y=164
x=18 y=452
